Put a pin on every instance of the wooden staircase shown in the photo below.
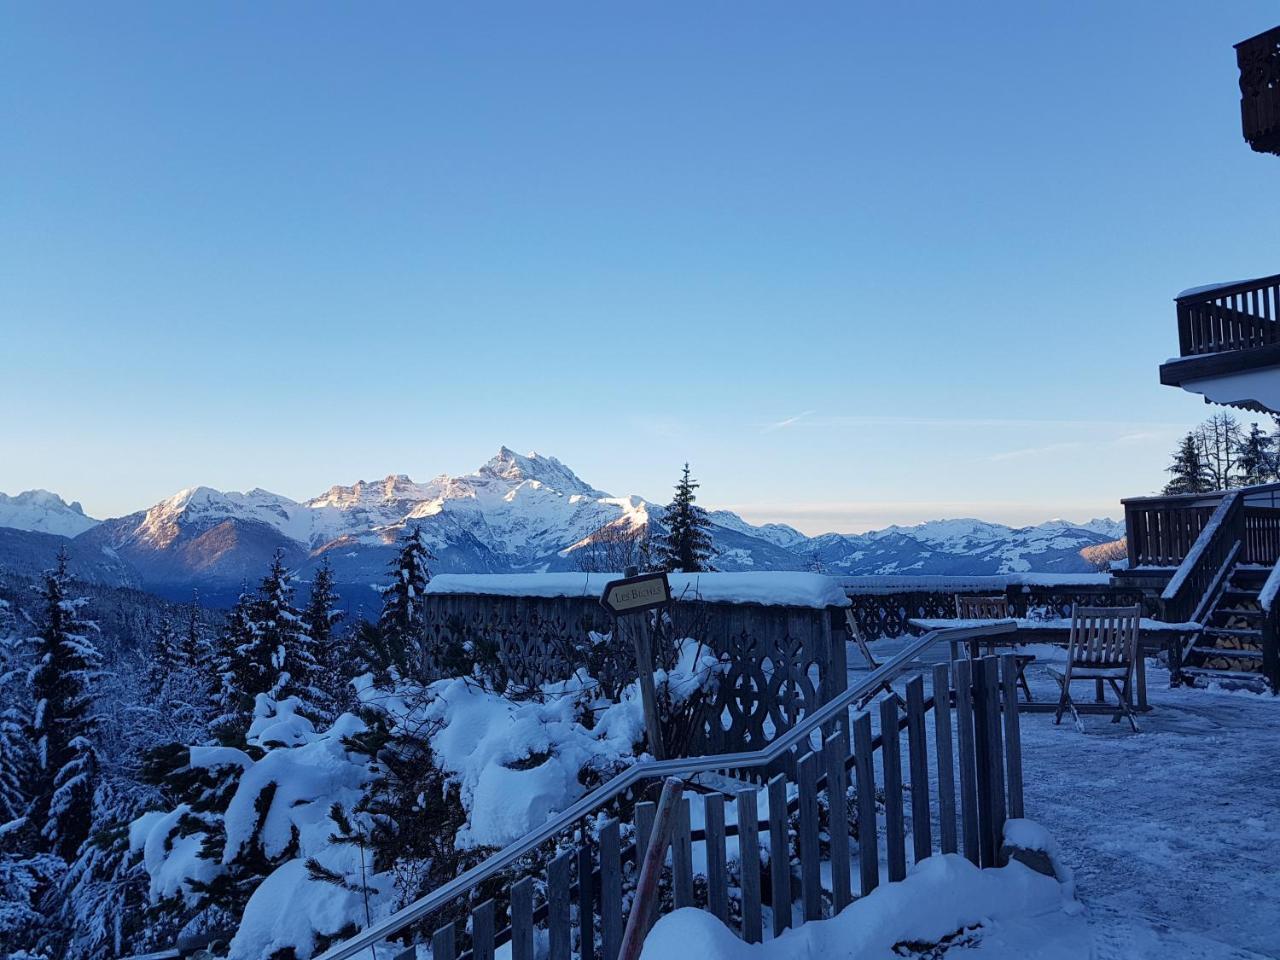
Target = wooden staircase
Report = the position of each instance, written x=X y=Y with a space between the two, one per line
x=1229 y=649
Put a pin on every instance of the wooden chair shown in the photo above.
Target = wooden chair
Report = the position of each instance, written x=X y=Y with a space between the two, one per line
x=852 y=625
x=982 y=608
x=994 y=608
x=1102 y=647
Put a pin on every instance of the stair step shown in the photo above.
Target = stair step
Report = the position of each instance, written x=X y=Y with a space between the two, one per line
x=1229 y=654
x=1239 y=612
x=1252 y=680
x=1237 y=594
x=1254 y=636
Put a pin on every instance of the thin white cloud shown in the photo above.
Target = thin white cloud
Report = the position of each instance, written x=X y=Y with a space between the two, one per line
x=788 y=422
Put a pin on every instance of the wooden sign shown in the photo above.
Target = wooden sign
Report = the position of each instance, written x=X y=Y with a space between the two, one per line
x=625 y=598
x=634 y=594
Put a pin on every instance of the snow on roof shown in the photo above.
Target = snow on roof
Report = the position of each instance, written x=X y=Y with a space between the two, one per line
x=1208 y=287
x=769 y=589
x=944 y=584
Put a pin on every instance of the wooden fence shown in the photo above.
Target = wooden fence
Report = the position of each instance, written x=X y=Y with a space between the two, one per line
x=783 y=662
x=949 y=790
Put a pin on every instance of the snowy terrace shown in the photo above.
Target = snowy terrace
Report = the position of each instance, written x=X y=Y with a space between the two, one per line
x=1169 y=832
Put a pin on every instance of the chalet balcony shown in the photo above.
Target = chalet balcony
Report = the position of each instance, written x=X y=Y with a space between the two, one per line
x=1259 y=62
x=1162 y=531
x=1229 y=341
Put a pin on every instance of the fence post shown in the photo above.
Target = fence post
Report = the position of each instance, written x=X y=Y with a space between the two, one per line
x=647 y=884
x=982 y=758
x=946 y=762
x=1012 y=733
x=967 y=730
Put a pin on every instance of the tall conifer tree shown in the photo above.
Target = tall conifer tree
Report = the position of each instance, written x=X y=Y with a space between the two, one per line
x=321 y=618
x=1188 y=471
x=62 y=725
x=1255 y=459
x=402 y=625
x=687 y=545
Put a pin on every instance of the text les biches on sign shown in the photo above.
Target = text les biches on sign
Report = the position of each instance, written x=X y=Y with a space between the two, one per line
x=636 y=593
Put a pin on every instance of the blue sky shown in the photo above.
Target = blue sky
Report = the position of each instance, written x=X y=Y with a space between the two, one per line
x=859 y=263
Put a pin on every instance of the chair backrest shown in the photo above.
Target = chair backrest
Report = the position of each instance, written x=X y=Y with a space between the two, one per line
x=982 y=608
x=1104 y=636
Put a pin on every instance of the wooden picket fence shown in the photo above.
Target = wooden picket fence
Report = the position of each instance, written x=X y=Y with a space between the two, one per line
x=949 y=790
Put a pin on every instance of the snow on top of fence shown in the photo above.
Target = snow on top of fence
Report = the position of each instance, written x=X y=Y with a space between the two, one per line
x=945 y=584
x=777 y=589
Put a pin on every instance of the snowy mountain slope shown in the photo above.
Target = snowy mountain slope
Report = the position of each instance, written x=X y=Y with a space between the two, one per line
x=28 y=553
x=516 y=513
x=43 y=512
x=963 y=546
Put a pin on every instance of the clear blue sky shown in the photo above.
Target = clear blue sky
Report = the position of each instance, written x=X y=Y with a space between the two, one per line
x=860 y=263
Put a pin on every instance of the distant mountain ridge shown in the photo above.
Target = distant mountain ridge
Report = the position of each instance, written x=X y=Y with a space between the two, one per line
x=516 y=513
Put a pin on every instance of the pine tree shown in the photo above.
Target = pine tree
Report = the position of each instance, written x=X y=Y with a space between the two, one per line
x=1255 y=459
x=687 y=546
x=15 y=749
x=402 y=625
x=321 y=618
x=263 y=648
x=1189 y=474
x=233 y=702
x=67 y=667
x=290 y=667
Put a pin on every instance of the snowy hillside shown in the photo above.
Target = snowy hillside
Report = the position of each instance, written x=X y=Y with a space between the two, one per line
x=43 y=512
x=516 y=513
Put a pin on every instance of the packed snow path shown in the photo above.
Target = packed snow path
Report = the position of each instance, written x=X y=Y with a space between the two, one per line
x=1172 y=832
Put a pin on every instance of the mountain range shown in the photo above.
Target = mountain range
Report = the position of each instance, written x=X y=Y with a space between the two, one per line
x=514 y=514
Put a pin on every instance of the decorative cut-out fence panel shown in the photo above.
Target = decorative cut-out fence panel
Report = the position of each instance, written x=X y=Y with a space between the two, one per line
x=783 y=659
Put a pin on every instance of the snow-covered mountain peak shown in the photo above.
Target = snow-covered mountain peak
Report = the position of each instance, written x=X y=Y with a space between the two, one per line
x=513 y=468
x=395 y=488
x=197 y=505
x=43 y=512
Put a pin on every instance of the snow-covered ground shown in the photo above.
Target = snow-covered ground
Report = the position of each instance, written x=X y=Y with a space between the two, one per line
x=1172 y=832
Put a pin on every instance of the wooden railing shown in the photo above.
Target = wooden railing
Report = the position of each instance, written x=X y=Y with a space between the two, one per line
x=1162 y=530
x=1207 y=563
x=1259 y=62
x=976 y=765
x=1236 y=316
x=1269 y=600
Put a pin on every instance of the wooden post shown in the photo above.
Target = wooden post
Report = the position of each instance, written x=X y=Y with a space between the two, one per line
x=634 y=628
x=650 y=870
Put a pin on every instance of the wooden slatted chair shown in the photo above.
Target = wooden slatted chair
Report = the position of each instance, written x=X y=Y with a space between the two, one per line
x=995 y=608
x=856 y=635
x=982 y=608
x=1102 y=647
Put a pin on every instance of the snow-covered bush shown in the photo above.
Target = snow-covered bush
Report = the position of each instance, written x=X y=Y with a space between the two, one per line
x=327 y=831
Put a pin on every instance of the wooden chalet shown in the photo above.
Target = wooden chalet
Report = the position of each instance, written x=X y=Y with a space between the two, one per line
x=1214 y=558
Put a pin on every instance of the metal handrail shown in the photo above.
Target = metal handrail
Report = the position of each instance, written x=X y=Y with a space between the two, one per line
x=653 y=769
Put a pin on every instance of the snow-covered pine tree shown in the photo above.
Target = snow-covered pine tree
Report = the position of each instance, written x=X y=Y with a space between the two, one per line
x=1188 y=471
x=165 y=655
x=67 y=668
x=15 y=712
x=687 y=545
x=328 y=644
x=402 y=625
x=278 y=659
x=1255 y=458
x=233 y=702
